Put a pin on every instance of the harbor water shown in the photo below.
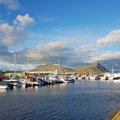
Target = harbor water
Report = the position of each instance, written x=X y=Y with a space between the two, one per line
x=82 y=100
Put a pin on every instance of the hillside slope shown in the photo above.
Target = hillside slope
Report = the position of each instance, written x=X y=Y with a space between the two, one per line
x=96 y=68
x=52 y=67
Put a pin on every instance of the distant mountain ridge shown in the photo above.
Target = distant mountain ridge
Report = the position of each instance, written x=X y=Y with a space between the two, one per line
x=95 y=68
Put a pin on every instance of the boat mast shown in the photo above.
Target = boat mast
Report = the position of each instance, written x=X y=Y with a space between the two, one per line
x=15 y=61
x=113 y=69
x=27 y=60
x=58 y=65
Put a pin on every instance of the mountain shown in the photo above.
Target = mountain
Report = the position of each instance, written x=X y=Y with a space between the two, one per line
x=96 y=68
x=52 y=67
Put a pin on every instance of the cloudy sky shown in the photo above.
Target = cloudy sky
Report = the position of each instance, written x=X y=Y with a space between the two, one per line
x=75 y=31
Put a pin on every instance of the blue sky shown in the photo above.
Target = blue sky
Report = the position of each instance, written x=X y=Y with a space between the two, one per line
x=61 y=26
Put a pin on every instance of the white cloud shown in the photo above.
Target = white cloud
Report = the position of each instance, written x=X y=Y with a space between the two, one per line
x=11 y=4
x=14 y=34
x=58 y=44
x=11 y=35
x=42 y=54
x=86 y=49
x=44 y=19
x=109 y=55
x=7 y=60
x=10 y=66
x=23 y=20
x=51 y=50
x=112 y=37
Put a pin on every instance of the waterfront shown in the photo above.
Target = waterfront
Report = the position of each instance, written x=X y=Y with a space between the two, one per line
x=82 y=100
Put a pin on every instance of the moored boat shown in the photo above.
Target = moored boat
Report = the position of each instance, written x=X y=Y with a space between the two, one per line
x=69 y=80
x=4 y=87
x=116 y=80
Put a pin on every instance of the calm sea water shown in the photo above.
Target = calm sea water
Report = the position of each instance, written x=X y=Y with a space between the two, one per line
x=82 y=100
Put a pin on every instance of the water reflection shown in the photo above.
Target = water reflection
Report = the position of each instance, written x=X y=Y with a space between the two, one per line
x=3 y=91
x=83 y=100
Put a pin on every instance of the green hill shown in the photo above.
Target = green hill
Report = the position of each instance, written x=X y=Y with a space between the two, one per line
x=96 y=68
x=52 y=67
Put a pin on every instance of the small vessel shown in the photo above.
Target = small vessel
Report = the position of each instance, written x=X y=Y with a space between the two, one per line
x=69 y=80
x=13 y=82
x=47 y=81
x=116 y=80
x=103 y=78
x=4 y=87
x=92 y=77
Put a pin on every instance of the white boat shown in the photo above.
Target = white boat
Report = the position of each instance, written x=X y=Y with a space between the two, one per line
x=79 y=78
x=116 y=81
x=111 y=78
x=14 y=82
x=92 y=77
x=103 y=78
x=4 y=87
x=69 y=80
